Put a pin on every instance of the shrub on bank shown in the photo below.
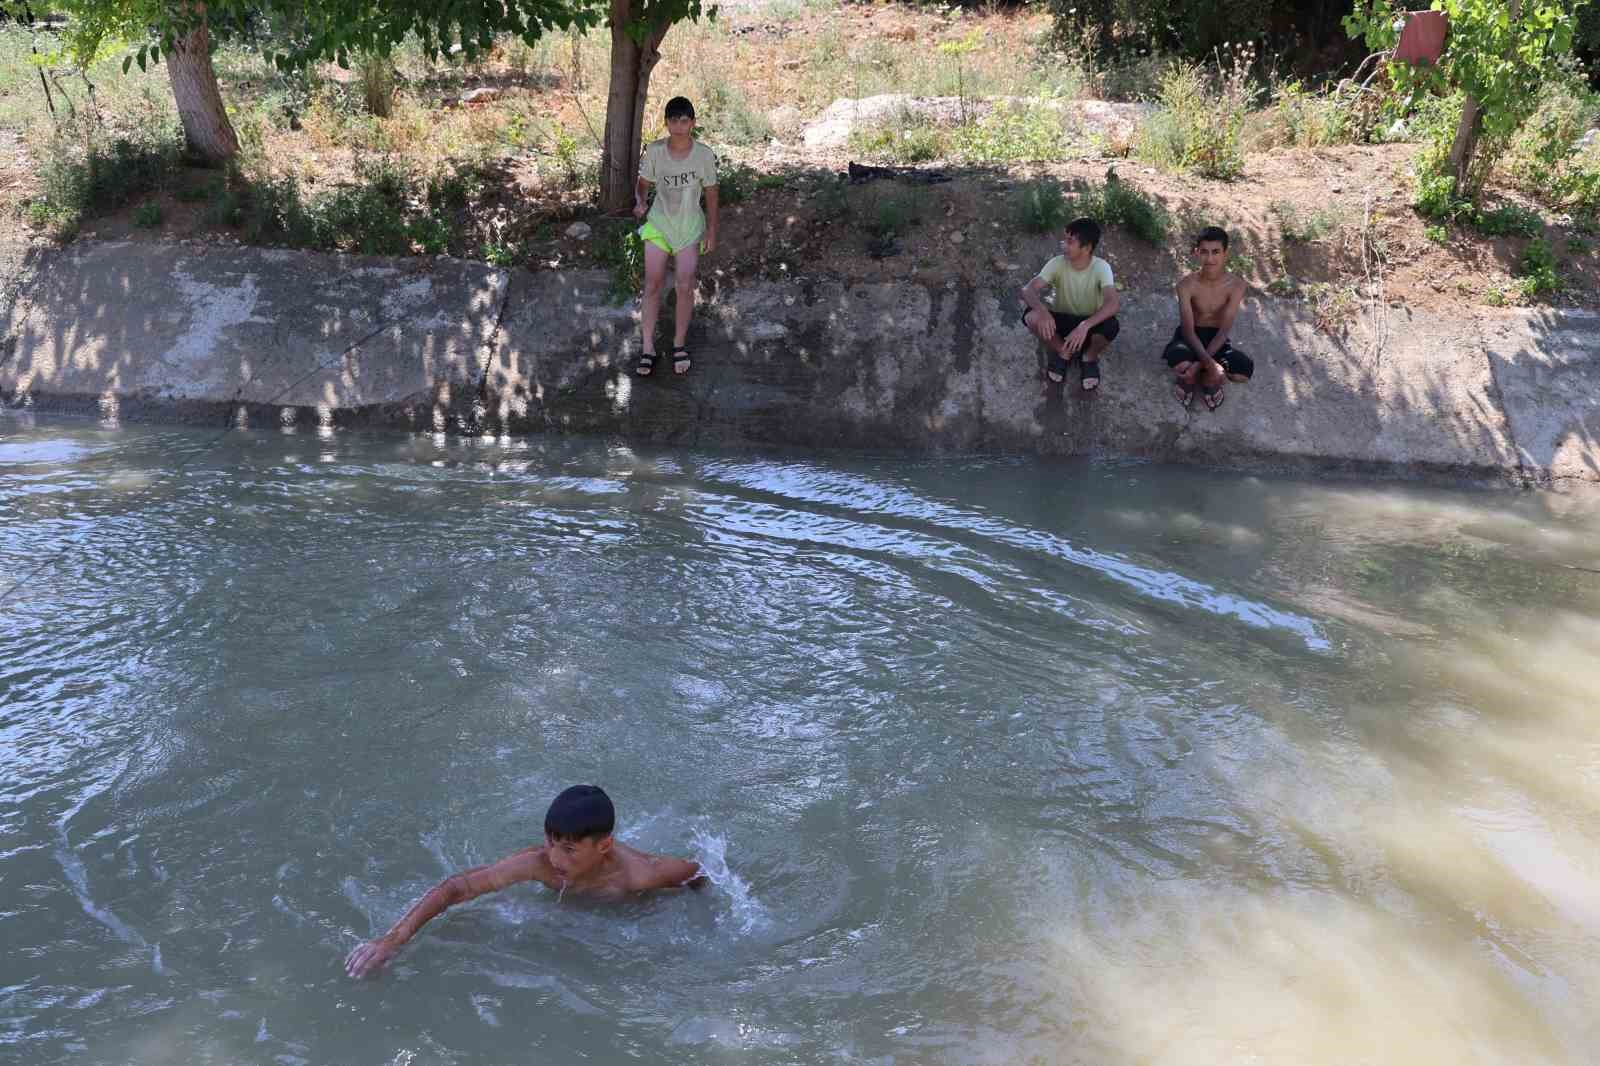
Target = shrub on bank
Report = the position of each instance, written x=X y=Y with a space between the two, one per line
x=88 y=170
x=1042 y=206
x=1030 y=132
x=1545 y=157
x=1200 y=118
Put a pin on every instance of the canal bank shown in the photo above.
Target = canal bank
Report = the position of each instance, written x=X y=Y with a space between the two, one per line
x=270 y=337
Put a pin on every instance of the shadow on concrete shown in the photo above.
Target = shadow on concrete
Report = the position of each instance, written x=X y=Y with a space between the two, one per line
x=1546 y=365
x=270 y=337
x=251 y=336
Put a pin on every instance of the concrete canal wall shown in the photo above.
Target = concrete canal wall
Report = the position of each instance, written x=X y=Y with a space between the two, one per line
x=263 y=337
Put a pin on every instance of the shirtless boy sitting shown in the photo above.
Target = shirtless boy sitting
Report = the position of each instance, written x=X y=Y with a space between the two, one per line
x=1208 y=299
x=578 y=855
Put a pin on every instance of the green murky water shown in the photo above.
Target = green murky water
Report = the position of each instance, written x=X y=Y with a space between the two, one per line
x=993 y=761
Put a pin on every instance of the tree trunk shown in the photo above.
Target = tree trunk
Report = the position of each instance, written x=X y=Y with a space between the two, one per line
x=206 y=128
x=631 y=64
x=1465 y=146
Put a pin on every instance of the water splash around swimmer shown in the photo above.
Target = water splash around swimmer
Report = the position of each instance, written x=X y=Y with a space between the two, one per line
x=710 y=850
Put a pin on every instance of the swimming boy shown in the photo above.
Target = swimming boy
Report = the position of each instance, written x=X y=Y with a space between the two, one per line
x=680 y=168
x=579 y=855
x=1208 y=299
x=1081 y=319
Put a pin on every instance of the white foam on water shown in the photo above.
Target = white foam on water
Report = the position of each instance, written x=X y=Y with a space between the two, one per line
x=485 y=1005
x=747 y=912
x=78 y=879
x=864 y=496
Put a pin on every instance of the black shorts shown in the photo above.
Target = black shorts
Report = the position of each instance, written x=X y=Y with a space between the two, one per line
x=1232 y=359
x=1066 y=323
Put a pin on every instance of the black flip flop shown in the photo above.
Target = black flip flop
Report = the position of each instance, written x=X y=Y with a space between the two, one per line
x=1056 y=366
x=646 y=364
x=681 y=355
x=1212 y=395
x=1185 y=396
x=1091 y=372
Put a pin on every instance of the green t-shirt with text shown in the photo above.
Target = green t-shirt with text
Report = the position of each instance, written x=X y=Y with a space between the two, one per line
x=678 y=182
x=1077 y=292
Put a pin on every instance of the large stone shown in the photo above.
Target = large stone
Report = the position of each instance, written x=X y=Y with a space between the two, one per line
x=833 y=127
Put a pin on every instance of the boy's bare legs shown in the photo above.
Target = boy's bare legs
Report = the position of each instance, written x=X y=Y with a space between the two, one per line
x=684 y=265
x=1196 y=374
x=1091 y=352
x=655 y=279
x=1035 y=320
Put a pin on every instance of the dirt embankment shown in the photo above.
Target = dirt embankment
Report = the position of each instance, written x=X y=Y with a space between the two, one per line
x=1330 y=229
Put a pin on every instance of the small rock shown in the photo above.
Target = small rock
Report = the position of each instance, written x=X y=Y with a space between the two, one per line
x=480 y=96
x=1587 y=141
x=579 y=231
x=957 y=237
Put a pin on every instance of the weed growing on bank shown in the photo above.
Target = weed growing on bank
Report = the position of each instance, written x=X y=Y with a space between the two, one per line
x=88 y=171
x=1536 y=270
x=1300 y=117
x=1200 y=121
x=388 y=210
x=1033 y=131
x=1305 y=227
x=1043 y=206
x=1040 y=207
x=620 y=250
x=738 y=182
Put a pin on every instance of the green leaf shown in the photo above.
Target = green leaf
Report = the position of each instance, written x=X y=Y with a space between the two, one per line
x=142 y=53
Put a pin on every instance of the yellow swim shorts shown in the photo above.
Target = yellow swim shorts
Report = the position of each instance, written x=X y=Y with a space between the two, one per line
x=649 y=232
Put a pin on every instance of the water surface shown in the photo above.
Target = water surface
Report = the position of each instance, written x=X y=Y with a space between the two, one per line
x=994 y=761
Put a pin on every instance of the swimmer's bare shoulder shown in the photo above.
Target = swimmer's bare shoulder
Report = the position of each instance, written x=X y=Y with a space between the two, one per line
x=633 y=871
x=644 y=872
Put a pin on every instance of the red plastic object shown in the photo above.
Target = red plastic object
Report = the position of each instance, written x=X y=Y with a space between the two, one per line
x=1422 y=41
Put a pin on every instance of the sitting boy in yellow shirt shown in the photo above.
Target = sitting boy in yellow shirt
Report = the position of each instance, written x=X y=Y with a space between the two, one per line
x=1081 y=319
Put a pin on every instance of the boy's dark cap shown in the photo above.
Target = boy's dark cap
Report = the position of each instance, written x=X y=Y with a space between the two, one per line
x=679 y=106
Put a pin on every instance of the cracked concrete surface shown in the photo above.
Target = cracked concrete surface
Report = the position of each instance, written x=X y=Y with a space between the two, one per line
x=261 y=336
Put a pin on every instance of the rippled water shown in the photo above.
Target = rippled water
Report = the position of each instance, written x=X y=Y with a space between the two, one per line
x=995 y=761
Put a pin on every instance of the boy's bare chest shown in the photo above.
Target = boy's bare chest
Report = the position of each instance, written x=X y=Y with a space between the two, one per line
x=1209 y=300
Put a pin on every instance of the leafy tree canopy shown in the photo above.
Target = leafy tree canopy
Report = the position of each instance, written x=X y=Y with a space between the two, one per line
x=331 y=29
x=1499 y=60
x=335 y=29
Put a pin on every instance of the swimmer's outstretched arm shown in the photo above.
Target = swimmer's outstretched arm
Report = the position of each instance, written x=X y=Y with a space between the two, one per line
x=457 y=888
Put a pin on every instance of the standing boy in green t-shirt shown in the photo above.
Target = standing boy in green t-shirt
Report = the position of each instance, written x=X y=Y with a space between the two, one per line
x=679 y=168
x=1081 y=318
